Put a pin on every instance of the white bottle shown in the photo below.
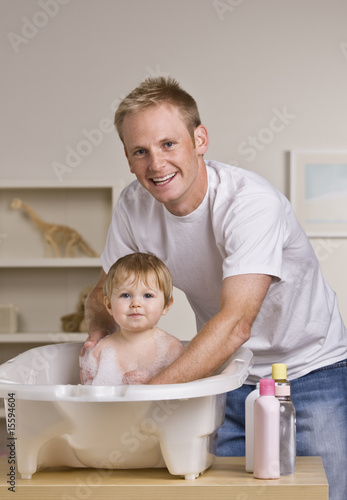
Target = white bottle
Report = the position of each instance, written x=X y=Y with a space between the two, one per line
x=287 y=419
x=249 y=427
x=266 y=432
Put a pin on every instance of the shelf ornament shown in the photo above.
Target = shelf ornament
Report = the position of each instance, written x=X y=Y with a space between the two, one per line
x=58 y=237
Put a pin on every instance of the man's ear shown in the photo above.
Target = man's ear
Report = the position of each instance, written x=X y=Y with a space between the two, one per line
x=201 y=139
x=167 y=307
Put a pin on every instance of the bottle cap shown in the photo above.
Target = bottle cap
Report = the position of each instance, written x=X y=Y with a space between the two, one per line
x=267 y=387
x=279 y=371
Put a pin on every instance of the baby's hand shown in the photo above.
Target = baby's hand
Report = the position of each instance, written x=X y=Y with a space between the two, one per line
x=136 y=377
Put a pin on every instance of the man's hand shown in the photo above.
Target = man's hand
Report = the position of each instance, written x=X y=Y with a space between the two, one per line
x=99 y=322
x=89 y=344
x=94 y=337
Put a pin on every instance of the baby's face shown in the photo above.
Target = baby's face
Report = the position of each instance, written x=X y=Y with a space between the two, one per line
x=135 y=305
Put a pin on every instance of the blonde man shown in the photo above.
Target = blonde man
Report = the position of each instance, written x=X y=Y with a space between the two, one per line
x=235 y=248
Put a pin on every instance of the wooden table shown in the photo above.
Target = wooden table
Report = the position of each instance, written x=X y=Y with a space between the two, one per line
x=226 y=480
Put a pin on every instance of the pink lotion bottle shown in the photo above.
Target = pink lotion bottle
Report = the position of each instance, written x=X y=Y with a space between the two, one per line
x=266 y=432
x=249 y=427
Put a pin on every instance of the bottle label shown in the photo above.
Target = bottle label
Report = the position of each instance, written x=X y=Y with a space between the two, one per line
x=282 y=390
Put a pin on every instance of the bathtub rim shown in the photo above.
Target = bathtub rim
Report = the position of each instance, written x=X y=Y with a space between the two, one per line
x=233 y=375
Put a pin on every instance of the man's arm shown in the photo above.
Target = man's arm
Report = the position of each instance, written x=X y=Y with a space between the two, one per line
x=241 y=299
x=99 y=321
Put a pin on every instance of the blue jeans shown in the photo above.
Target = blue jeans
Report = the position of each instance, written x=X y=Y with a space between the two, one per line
x=320 y=400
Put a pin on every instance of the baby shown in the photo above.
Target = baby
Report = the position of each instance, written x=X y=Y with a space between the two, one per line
x=138 y=291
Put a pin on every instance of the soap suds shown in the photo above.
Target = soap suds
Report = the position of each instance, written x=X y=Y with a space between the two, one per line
x=89 y=367
x=109 y=371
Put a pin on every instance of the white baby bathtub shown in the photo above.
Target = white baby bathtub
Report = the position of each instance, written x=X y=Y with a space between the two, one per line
x=55 y=421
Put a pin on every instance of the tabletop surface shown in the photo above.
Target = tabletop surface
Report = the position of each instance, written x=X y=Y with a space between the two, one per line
x=226 y=479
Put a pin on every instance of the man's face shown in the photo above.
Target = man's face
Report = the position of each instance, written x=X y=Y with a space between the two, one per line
x=164 y=157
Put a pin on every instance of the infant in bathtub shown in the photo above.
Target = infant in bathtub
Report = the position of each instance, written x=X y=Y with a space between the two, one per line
x=138 y=291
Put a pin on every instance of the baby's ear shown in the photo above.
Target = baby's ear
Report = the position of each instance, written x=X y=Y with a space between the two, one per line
x=108 y=305
x=167 y=307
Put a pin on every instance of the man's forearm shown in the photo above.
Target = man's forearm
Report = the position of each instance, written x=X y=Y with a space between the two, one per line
x=241 y=299
x=206 y=352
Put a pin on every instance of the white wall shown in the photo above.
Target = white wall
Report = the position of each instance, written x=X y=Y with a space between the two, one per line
x=67 y=63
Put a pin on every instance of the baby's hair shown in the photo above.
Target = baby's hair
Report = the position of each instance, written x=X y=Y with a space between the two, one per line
x=140 y=266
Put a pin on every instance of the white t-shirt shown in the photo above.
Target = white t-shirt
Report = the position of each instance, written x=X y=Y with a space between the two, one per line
x=243 y=226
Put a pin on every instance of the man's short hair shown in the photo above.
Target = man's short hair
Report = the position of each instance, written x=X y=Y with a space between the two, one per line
x=154 y=91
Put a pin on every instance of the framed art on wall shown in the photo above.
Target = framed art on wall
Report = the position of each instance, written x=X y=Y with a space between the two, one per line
x=318 y=191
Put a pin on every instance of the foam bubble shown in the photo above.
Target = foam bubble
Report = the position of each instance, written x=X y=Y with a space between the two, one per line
x=109 y=372
x=89 y=367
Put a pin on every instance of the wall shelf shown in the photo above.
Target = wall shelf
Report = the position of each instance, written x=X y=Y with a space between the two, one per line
x=49 y=262
x=41 y=338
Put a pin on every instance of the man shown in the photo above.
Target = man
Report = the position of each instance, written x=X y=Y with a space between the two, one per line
x=234 y=246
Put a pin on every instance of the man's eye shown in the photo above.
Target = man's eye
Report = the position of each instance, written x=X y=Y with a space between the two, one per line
x=139 y=152
x=169 y=144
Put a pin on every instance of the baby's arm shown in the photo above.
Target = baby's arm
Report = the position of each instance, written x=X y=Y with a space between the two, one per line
x=136 y=377
x=175 y=348
x=169 y=348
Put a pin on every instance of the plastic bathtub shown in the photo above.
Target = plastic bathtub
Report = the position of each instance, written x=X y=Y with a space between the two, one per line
x=53 y=421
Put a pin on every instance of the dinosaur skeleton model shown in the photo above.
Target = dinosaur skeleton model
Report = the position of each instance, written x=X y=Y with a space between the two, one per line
x=56 y=235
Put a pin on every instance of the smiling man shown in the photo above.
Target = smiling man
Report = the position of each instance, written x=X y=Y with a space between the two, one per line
x=234 y=246
x=165 y=158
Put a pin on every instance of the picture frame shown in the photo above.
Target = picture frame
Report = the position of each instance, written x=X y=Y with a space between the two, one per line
x=318 y=191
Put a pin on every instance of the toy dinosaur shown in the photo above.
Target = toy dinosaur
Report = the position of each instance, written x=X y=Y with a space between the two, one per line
x=56 y=235
x=75 y=322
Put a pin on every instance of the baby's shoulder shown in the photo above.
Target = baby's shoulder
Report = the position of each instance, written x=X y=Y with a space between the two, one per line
x=170 y=340
x=107 y=341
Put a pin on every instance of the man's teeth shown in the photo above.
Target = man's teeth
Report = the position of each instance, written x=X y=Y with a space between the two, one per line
x=163 y=180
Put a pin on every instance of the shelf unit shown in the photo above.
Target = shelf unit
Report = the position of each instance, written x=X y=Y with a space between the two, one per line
x=46 y=288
